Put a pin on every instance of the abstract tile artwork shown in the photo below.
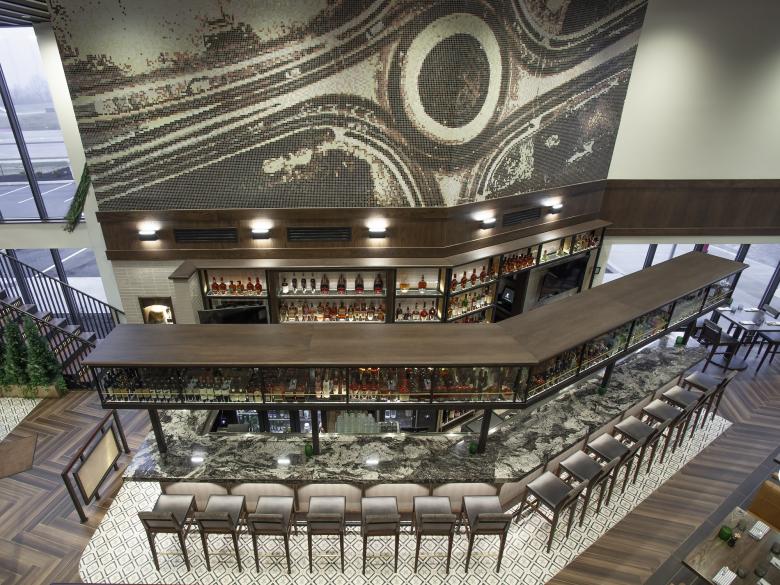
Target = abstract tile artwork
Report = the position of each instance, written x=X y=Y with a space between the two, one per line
x=344 y=103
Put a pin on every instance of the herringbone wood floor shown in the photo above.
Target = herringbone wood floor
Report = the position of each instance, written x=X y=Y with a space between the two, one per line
x=41 y=538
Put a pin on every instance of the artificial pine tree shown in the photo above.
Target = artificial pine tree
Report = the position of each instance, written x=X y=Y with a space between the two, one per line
x=42 y=365
x=14 y=370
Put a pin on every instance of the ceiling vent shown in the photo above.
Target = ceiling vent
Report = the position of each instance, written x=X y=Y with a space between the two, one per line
x=191 y=236
x=521 y=216
x=319 y=234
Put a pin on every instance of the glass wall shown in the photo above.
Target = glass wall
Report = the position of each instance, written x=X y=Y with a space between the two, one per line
x=40 y=133
x=625 y=259
x=664 y=252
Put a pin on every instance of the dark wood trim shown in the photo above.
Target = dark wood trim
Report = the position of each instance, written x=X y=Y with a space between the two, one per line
x=692 y=207
x=412 y=232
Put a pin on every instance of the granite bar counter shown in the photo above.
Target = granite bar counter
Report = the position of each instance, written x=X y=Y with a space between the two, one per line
x=515 y=448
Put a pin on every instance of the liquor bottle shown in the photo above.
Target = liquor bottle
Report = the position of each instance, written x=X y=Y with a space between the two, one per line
x=285 y=286
x=483 y=275
x=341 y=285
x=379 y=285
x=371 y=312
x=294 y=284
x=351 y=316
x=416 y=313
x=250 y=288
x=403 y=285
x=232 y=288
x=342 y=312
x=407 y=314
x=463 y=280
x=359 y=288
x=240 y=288
x=258 y=286
x=399 y=312
x=222 y=286
x=422 y=285
x=433 y=313
x=313 y=283
x=464 y=304
x=424 y=313
x=283 y=311
x=490 y=271
x=473 y=278
x=449 y=311
x=380 y=313
x=324 y=284
x=214 y=286
x=453 y=282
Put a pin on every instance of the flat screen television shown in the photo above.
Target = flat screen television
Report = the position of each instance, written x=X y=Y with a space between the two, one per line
x=562 y=277
x=243 y=314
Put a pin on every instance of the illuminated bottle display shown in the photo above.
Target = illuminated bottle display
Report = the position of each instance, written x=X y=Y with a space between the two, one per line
x=422 y=285
x=214 y=286
x=324 y=284
x=341 y=285
x=285 y=286
x=359 y=287
x=379 y=285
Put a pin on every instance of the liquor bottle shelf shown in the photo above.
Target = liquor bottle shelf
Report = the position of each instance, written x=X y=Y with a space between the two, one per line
x=332 y=321
x=415 y=293
x=350 y=294
x=518 y=270
x=263 y=295
x=471 y=287
x=469 y=312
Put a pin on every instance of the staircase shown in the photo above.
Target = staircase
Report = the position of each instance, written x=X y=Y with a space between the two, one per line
x=70 y=320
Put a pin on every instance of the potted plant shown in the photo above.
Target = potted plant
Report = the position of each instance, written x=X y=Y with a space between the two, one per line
x=29 y=367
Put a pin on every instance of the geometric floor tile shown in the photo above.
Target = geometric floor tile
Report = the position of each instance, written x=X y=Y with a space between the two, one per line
x=13 y=411
x=119 y=552
x=16 y=455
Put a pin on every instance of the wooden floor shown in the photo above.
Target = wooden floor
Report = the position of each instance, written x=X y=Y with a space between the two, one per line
x=648 y=544
x=41 y=538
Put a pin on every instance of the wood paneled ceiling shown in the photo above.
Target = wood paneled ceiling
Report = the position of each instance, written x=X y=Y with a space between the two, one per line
x=23 y=12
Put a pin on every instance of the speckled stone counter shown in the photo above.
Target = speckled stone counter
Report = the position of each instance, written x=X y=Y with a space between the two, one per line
x=515 y=449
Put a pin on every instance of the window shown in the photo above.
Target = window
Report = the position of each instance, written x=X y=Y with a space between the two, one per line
x=763 y=259
x=624 y=259
x=40 y=134
x=82 y=272
x=664 y=252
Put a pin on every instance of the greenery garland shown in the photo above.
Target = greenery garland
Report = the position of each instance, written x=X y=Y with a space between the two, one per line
x=73 y=216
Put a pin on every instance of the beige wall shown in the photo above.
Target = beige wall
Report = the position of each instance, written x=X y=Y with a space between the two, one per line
x=146 y=279
x=704 y=96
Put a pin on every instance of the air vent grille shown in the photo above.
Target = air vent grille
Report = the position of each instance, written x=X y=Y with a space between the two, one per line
x=521 y=216
x=319 y=234
x=189 y=236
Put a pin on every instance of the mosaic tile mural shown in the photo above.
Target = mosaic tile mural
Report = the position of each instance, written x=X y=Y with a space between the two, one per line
x=336 y=103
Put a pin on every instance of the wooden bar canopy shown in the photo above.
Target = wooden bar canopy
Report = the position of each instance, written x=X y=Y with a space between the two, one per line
x=526 y=339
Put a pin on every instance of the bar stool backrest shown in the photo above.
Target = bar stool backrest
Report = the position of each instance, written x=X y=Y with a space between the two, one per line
x=159 y=521
x=325 y=523
x=443 y=524
x=214 y=521
x=382 y=524
x=492 y=523
x=710 y=333
x=606 y=469
x=266 y=524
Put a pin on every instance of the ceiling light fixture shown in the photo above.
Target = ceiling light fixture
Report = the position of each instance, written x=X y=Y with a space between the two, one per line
x=377 y=228
x=147 y=232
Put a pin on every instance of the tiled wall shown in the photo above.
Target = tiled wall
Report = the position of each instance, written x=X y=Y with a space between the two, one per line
x=343 y=103
x=143 y=279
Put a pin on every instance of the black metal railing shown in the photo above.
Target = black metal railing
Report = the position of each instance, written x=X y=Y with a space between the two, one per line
x=70 y=348
x=52 y=295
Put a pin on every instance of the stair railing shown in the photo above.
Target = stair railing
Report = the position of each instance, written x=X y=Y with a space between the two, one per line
x=57 y=297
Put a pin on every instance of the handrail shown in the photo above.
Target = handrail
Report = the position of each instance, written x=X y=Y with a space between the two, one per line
x=54 y=295
x=79 y=456
x=58 y=339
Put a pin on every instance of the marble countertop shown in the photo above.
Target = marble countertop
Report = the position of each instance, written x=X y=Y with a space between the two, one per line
x=515 y=448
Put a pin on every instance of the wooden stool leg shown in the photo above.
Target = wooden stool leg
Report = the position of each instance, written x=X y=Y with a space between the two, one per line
x=449 y=553
x=585 y=504
x=628 y=473
x=570 y=523
x=341 y=546
x=184 y=550
x=417 y=552
x=522 y=506
x=602 y=489
x=397 y=541
x=468 y=552
x=205 y=550
x=154 y=550
x=612 y=484
x=254 y=549
x=365 y=544
x=552 y=530
x=287 y=551
x=309 y=535
x=501 y=552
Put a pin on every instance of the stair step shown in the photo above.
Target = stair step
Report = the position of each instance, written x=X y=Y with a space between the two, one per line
x=42 y=315
x=88 y=336
x=28 y=308
x=58 y=322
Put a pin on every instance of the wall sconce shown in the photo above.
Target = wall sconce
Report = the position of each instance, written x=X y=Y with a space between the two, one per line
x=556 y=208
x=488 y=222
x=261 y=230
x=377 y=228
x=147 y=232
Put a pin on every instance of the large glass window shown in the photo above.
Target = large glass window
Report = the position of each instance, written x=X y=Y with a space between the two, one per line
x=664 y=252
x=624 y=259
x=82 y=272
x=41 y=134
x=763 y=259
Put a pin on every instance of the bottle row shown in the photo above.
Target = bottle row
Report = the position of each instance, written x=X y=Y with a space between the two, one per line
x=236 y=288
x=348 y=312
x=353 y=285
x=469 y=303
x=416 y=313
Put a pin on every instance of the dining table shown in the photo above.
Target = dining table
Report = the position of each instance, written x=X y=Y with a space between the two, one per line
x=749 y=322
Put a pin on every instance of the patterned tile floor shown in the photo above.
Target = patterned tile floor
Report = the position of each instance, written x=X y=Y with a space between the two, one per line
x=119 y=551
x=12 y=411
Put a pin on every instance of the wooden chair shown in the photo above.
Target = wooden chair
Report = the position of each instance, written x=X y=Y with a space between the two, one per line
x=326 y=517
x=380 y=517
x=483 y=516
x=582 y=467
x=273 y=516
x=432 y=516
x=713 y=388
x=555 y=495
x=610 y=450
x=169 y=516
x=713 y=337
x=639 y=435
x=223 y=515
x=772 y=341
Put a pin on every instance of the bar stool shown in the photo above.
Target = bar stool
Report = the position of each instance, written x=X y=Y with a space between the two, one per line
x=483 y=517
x=669 y=419
x=639 y=434
x=609 y=449
x=169 y=516
x=684 y=398
x=556 y=495
x=379 y=517
x=582 y=467
x=223 y=515
x=272 y=517
x=432 y=516
x=713 y=337
x=713 y=388
x=326 y=517
x=772 y=340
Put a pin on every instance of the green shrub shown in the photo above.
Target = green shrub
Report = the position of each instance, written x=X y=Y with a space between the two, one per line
x=14 y=370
